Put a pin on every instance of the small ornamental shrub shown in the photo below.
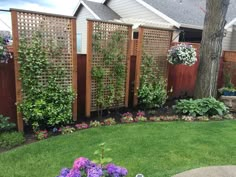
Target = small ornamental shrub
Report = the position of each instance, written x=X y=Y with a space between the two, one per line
x=169 y=118
x=42 y=134
x=140 y=117
x=5 y=125
x=110 y=121
x=202 y=118
x=155 y=119
x=11 y=139
x=67 y=130
x=95 y=124
x=188 y=118
x=82 y=126
x=127 y=118
x=201 y=107
x=228 y=116
x=152 y=89
x=182 y=54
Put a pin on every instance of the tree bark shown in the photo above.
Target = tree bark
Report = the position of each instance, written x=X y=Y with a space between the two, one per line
x=211 y=48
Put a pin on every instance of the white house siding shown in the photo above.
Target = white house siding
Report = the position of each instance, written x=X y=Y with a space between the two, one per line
x=132 y=9
x=81 y=26
x=226 y=44
x=233 y=41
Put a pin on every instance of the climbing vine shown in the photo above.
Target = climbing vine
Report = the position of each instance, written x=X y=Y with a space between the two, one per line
x=152 y=90
x=112 y=57
x=45 y=101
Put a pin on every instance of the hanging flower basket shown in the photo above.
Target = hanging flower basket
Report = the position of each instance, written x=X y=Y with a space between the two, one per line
x=182 y=54
x=5 y=54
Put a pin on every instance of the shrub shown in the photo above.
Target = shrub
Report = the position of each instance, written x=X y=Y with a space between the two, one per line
x=82 y=126
x=67 y=130
x=152 y=90
x=42 y=134
x=5 y=125
x=110 y=121
x=127 y=118
x=155 y=119
x=11 y=139
x=95 y=124
x=182 y=54
x=199 y=107
x=140 y=117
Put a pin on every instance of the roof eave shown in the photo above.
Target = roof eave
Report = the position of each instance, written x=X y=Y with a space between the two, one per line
x=231 y=23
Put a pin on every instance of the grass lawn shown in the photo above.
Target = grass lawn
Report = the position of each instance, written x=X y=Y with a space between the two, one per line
x=154 y=149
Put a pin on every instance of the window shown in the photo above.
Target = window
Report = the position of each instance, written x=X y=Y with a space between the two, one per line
x=79 y=42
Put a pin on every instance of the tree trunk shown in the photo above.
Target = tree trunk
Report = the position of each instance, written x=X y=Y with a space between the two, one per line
x=211 y=48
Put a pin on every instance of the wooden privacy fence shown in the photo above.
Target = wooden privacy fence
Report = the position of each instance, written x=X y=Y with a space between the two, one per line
x=182 y=78
x=61 y=29
x=153 y=42
x=99 y=36
x=229 y=65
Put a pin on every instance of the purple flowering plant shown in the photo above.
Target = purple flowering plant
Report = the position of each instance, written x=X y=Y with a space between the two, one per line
x=140 y=117
x=127 y=118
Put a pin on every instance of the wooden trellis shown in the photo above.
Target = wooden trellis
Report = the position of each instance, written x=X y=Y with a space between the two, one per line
x=95 y=59
x=154 y=42
x=53 y=28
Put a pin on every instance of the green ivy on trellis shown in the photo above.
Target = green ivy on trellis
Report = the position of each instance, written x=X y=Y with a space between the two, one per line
x=113 y=56
x=45 y=103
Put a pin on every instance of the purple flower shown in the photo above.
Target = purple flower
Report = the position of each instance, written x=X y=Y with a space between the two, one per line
x=81 y=163
x=116 y=171
x=94 y=172
x=64 y=172
x=74 y=173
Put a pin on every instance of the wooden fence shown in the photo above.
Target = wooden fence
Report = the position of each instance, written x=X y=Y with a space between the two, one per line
x=100 y=34
x=154 y=42
x=57 y=28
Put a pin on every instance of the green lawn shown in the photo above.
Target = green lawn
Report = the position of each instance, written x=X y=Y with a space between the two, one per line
x=154 y=149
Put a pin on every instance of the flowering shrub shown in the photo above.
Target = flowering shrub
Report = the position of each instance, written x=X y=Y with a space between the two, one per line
x=140 y=117
x=82 y=126
x=127 y=118
x=155 y=119
x=83 y=167
x=66 y=130
x=110 y=121
x=5 y=55
x=182 y=54
x=95 y=124
x=42 y=134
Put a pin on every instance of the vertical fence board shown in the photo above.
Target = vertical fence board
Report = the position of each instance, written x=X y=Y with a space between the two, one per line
x=88 y=68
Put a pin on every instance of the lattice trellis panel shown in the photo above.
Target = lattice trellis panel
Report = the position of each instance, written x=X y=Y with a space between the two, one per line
x=57 y=30
x=105 y=31
x=156 y=43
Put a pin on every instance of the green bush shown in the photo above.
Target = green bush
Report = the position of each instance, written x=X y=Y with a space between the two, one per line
x=11 y=139
x=201 y=107
x=152 y=90
x=5 y=125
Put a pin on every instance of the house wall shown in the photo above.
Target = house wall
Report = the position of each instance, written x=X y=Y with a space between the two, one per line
x=81 y=26
x=233 y=41
x=226 y=44
x=132 y=9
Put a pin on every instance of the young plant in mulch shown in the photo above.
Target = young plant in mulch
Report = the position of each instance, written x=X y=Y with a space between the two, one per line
x=95 y=124
x=82 y=126
x=140 y=117
x=110 y=121
x=202 y=118
x=155 y=119
x=188 y=118
x=41 y=134
x=66 y=130
x=216 y=117
x=229 y=116
x=127 y=118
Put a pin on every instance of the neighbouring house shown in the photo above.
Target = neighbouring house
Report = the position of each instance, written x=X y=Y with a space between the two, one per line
x=186 y=17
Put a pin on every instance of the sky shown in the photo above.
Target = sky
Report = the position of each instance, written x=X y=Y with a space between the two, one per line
x=63 y=7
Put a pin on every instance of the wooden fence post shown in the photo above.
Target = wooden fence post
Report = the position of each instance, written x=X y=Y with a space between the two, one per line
x=20 y=124
x=88 y=68
x=74 y=64
x=138 y=66
x=128 y=66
